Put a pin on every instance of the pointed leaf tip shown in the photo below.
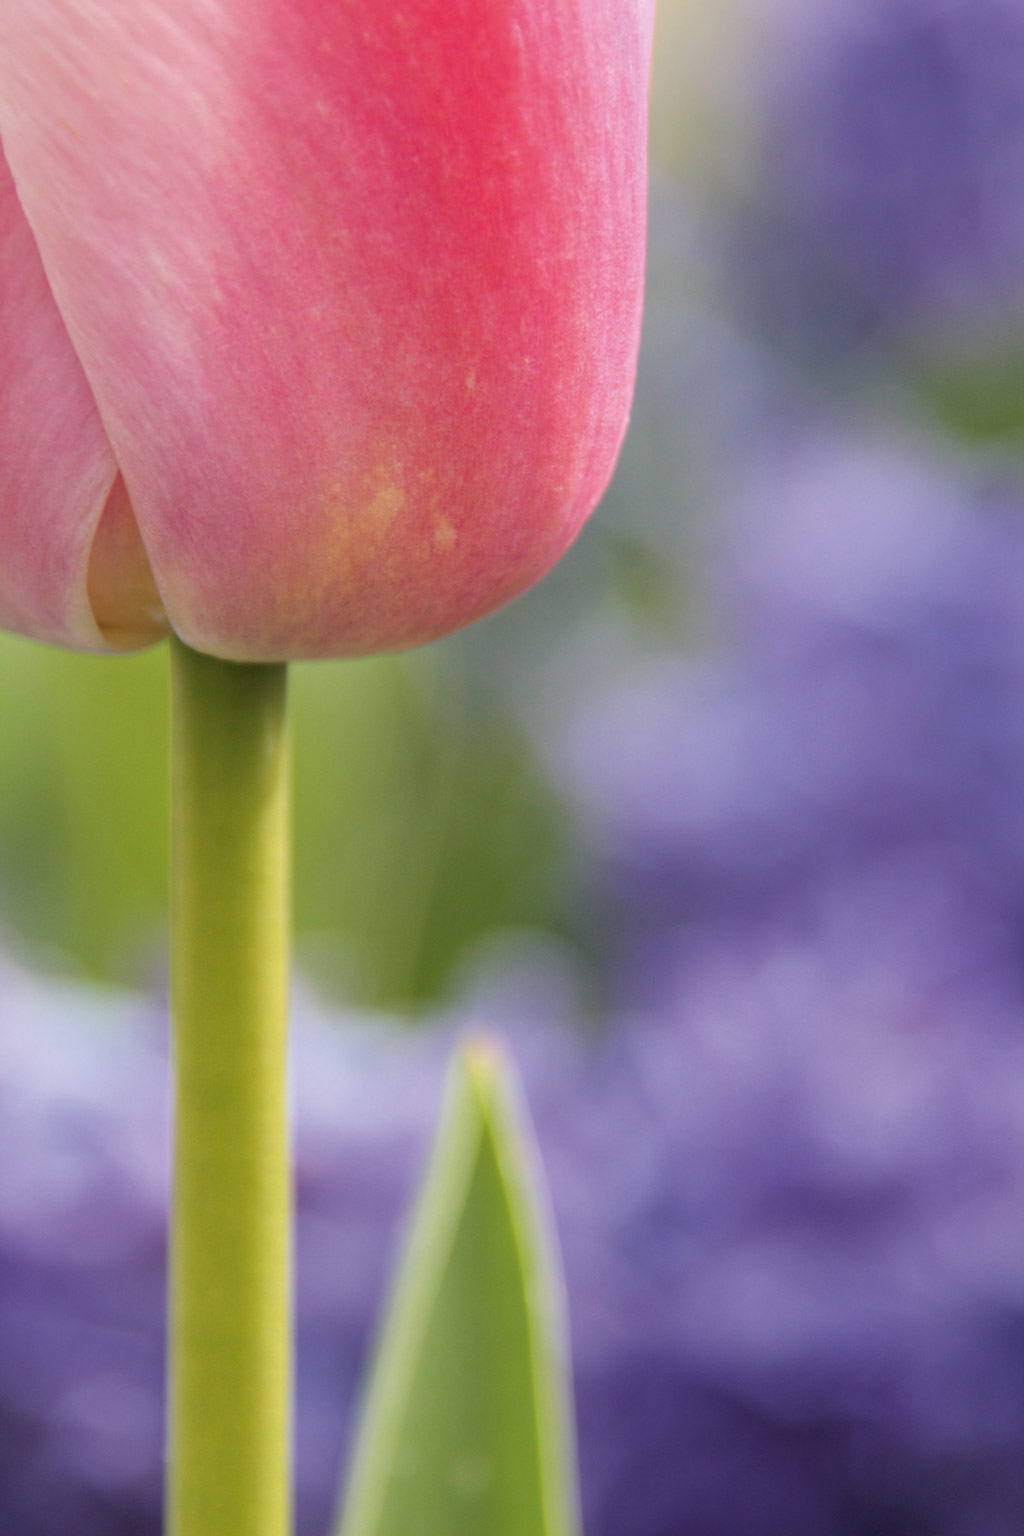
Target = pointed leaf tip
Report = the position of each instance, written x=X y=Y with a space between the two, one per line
x=486 y=1064
x=467 y=1422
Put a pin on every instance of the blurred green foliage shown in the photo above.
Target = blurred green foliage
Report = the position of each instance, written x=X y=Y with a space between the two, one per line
x=83 y=803
x=421 y=822
x=975 y=394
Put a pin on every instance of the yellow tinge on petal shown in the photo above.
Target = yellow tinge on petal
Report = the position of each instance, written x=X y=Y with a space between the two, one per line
x=122 y=592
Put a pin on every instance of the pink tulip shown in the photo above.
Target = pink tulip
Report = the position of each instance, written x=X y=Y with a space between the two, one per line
x=318 y=318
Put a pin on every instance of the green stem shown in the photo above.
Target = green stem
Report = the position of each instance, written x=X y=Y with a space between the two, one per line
x=230 y=1368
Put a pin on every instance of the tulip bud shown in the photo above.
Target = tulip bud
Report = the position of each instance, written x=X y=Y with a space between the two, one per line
x=318 y=318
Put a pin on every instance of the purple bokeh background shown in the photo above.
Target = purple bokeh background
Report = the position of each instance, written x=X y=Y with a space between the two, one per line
x=776 y=1059
x=890 y=162
x=788 y=1166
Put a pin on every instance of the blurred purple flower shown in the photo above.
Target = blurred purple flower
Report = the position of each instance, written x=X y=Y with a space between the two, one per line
x=891 y=187
x=788 y=1175
x=851 y=764
x=83 y=1144
x=799 y=1269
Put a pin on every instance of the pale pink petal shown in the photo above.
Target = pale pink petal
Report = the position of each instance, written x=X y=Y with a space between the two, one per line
x=356 y=287
x=57 y=471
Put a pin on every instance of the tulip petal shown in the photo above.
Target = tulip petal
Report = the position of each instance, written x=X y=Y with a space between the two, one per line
x=356 y=287
x=57 y=472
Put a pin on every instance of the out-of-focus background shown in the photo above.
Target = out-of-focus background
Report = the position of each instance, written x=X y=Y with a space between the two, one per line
x=724 y=823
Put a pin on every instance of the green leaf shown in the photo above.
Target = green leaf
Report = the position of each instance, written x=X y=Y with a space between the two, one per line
x=467 y=1426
